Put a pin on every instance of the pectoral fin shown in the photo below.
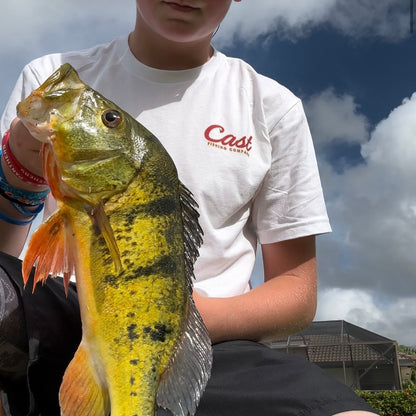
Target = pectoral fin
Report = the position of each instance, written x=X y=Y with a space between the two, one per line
x=50 y=249
x=80 y=393
x=100 y=219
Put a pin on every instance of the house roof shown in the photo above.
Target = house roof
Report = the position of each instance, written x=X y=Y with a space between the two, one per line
x=406 y=360
x=335 y=341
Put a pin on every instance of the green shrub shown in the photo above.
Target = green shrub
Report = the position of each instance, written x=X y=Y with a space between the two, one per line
x=392 y=403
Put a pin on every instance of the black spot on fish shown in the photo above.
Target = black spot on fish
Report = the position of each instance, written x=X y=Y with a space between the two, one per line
x=157 y=333
x=107 y=261
x=132 y=381
x=160 y=332
x=111 y=280
x=134 y=362
x=164 y=206
x=164 y=266
x=131 y=331
x=127 y=263
x=131 y=315
x=160 y=207
x=133 y=393
x=55 y=228
x=101 y=240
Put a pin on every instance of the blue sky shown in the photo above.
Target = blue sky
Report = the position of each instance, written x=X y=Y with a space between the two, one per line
x=353 y=63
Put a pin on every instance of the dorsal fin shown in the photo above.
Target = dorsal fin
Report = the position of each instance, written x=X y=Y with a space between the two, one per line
x=192 y=230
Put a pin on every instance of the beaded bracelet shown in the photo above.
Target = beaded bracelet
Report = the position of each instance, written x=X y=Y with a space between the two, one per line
x=16 y=167
x=20 y=196
x=23 y=210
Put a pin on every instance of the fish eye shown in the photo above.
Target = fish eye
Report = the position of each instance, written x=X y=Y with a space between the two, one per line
x=111 y=118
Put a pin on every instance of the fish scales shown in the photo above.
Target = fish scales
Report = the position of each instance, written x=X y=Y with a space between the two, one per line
x=128 y=229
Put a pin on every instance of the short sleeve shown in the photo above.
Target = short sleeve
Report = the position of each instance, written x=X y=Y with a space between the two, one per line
x=290 y=202
x=24 y=85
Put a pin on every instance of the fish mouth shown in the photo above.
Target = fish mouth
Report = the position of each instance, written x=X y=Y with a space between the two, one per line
x=36 y=117
x=55 y=101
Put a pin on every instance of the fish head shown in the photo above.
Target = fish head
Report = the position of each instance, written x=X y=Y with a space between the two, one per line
x=90 y=150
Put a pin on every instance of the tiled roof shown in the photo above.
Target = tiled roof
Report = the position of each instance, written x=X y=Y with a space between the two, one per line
x=351 y=352
x=335 y=341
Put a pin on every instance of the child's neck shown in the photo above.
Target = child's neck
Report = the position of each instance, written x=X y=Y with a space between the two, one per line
x=162 y=54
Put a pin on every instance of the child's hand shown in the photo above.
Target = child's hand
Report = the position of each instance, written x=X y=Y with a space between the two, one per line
x=26 y=150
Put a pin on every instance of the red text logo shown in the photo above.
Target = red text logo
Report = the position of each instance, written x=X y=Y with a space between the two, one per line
x=214 y=134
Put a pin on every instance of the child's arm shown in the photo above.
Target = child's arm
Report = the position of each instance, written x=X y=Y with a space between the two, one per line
x=284 y=304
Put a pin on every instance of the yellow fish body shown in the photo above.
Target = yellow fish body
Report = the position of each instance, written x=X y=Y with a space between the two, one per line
x=128 y=229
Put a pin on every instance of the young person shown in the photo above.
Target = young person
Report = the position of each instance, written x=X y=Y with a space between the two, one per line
x=242 y=145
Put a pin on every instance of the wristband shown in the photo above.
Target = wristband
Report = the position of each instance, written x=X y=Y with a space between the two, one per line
x=23 y=210
x=20 y=196
x=16 y=167
x=13 y=221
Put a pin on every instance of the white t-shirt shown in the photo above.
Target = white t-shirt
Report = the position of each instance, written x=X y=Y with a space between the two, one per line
x=240 y=141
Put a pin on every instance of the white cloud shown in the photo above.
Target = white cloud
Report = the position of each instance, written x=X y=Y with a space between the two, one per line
x=387 y=19
x=352 y=305
x=30 y=25
x=247 y=20
x=335 y=117
x=30 y=29
x=393 y=143
x=395 y=320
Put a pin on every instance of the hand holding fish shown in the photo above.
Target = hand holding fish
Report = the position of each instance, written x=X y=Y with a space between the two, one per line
x=26 y=149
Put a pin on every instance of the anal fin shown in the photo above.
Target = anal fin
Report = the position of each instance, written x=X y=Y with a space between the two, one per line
x=80 y=394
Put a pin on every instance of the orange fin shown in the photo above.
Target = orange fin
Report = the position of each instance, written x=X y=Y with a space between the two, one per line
x=80 y=394
x=100 y=219
x=49 y=249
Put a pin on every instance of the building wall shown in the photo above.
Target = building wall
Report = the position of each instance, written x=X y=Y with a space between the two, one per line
x=406 y=373
x=349 y=377
x=379 y=378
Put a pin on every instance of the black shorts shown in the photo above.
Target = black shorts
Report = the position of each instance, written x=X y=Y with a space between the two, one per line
x=247 y=378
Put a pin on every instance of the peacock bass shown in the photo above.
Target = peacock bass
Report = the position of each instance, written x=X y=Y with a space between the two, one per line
x=128 y=229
